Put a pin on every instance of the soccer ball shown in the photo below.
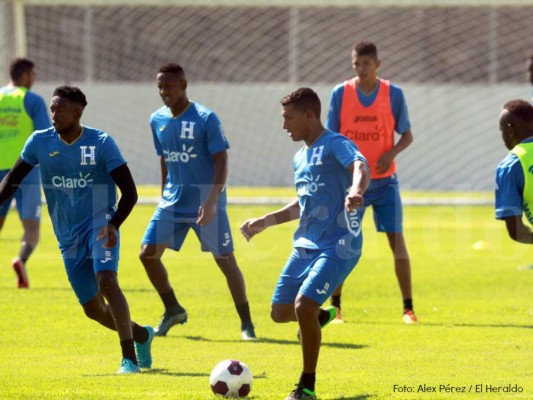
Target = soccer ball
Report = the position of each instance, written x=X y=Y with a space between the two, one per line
x=231 y=378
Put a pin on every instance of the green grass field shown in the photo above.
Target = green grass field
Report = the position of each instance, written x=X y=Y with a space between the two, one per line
x=475 y=310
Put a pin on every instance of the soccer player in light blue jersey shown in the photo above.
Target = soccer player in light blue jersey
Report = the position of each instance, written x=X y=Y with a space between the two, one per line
x=190 y=142
x=21 y=113
x=80 y=170
x=331 y=177
x=514 y=175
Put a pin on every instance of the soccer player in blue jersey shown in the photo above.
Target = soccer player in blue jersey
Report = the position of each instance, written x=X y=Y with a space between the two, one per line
x=80 y=170
x=190 y=142
x=369 y=110
x=22 y=112
x=514 y=175
x=331 y=177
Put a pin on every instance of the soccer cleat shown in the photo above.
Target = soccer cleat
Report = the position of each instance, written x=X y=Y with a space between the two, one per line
x=144 y=350
x=128 y=367
x=338 y=318
x=409 y=317
x=301 y=393
x=332 y=315
x=22 y=276
x=247 y=331
x=169 y=320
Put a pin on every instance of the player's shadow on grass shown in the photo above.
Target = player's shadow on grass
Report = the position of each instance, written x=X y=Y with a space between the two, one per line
x=156 y=371
x=278 y=341
x=493 y=326
x=166 y=372
x=360 y=397
x=454 y=325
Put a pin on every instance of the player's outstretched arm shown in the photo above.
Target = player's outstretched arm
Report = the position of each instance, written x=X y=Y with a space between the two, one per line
x=11 y=181
x=254 y=226
x=517 y=230
x=360 y=182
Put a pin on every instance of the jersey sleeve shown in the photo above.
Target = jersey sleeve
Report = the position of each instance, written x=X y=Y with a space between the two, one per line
x=28 y=152
x=36 y=109
x=157 y=143
x=216 y=139
x=111 y=154
x=399 y=110
x=509 y=188
x=333 y=122
x=345 y=151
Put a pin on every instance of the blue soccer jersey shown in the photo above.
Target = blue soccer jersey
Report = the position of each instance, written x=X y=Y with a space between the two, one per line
x=397 y=100
x=322 y=181
x=187 y=143
x=79 y=191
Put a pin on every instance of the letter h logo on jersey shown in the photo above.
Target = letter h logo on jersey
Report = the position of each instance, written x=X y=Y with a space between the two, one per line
x=187 y=130
x=316 y=156
x=89 y=155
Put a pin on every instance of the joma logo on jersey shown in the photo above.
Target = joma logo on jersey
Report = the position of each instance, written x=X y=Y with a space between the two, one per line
x=187 y=130
x=88 y=154
x=180 y=156
x=365 y=118
x=72 y=183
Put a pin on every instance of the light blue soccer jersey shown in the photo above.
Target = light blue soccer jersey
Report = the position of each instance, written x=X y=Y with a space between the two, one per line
x=322 y=182
x=188 y=143
x=79 y=191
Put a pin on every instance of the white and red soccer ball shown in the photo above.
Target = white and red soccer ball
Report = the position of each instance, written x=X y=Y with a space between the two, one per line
x=231 y=378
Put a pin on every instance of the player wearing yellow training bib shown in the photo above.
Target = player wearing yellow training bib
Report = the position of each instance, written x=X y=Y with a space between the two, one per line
x=514 y=175
x=21 y=113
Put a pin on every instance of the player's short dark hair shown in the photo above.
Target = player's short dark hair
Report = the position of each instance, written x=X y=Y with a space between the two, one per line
x=171 y=68
x=302 y=99
x=521 y=109
x=18 y=67
x=366 y=48
x=72 y=93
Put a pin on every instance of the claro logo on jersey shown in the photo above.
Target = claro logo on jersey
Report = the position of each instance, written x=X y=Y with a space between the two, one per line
x=183 y=156
x=370 y=135
x=370 y=129
x=72 y=183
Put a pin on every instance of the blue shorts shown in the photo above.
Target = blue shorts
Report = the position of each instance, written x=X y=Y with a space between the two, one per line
x=84 y=259
x=214 y=237
x=384 y=197
x=27 y=197
x=312 y=273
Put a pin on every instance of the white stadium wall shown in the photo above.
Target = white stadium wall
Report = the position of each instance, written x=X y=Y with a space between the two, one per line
x=457 y=142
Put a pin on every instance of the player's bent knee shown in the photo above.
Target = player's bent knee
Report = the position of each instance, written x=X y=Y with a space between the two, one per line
x=281 y=314
x=107 y=281
x=148 y=252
